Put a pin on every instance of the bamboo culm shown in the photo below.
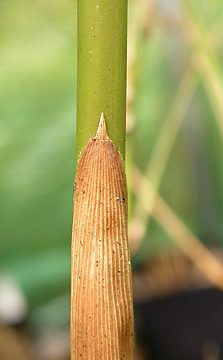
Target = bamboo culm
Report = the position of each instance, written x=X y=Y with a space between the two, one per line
x=101 y=285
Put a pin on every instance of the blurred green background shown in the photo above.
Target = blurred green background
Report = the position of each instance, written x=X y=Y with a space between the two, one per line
x=37 y=141
x=174 y=136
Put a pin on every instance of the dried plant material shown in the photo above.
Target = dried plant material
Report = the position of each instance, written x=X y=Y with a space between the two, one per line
x=101 y=295
x=189 y=244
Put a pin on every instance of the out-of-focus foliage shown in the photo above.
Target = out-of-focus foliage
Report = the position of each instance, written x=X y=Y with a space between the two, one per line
x=168 y=42
x=37 y=142
x=178 y=51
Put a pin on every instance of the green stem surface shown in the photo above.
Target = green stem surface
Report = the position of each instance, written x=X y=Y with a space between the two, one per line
x=101 y=69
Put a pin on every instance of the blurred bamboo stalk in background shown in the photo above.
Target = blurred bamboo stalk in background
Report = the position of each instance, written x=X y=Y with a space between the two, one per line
x=205 y=63
x=205 y=60
x=182 y=236
x=160 y=155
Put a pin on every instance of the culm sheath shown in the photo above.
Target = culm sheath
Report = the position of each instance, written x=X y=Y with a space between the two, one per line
x=101 y=285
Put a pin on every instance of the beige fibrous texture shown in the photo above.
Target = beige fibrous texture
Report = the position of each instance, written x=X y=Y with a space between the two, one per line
x=101 y=284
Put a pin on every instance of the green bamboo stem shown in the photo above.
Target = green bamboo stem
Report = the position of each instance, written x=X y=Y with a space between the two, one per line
x=101 y=69
x=101 y=285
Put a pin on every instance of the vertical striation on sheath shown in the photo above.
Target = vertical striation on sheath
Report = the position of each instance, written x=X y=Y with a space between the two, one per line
x=101 y=284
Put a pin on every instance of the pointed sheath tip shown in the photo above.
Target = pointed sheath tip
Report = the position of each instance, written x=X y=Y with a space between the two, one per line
x=101 y=133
